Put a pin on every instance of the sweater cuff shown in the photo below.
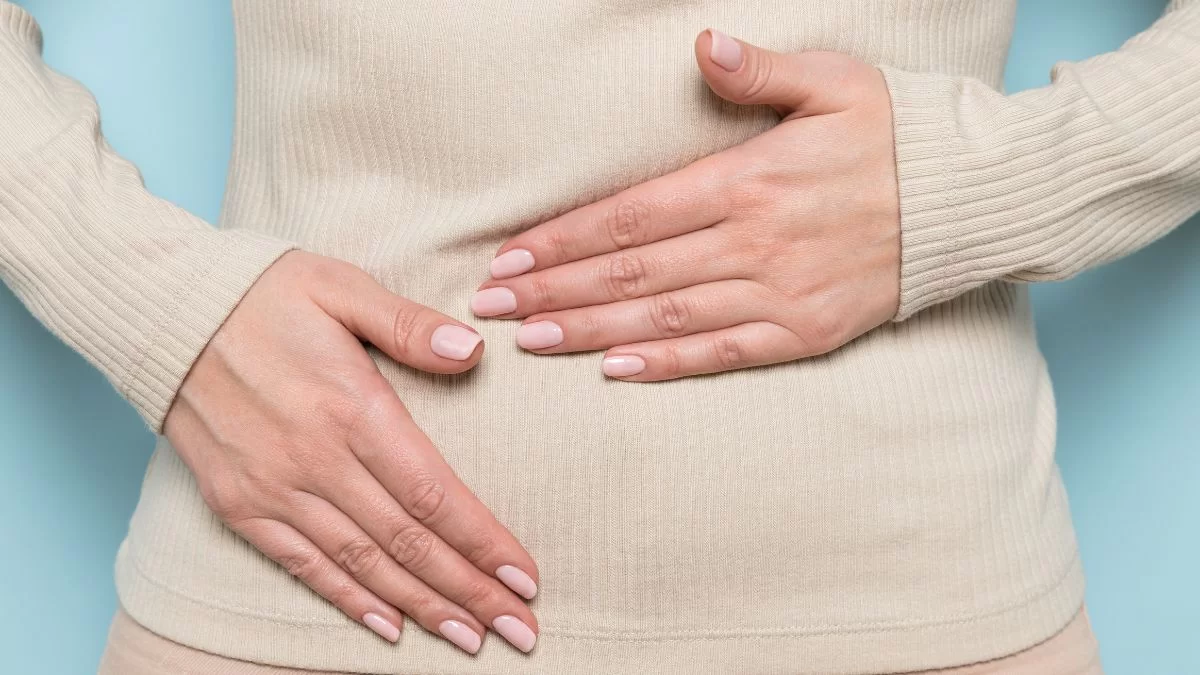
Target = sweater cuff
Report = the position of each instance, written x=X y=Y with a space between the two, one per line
x=133 y=283
x=922 y=121
x=1045 y=183
x=211 y=277
x=993 y=186
x=959 y=226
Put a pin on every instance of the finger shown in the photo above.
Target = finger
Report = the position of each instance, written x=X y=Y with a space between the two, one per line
x=689 y=199
x=408 y=332
x=679 y=262
x=697 y=309
x=805 y=83
x=304 y=560
x=422 y=553
x=744 y=346
x=362 y=558
x=405 y=462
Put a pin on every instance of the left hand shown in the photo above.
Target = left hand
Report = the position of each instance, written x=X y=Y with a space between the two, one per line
x=784 y=247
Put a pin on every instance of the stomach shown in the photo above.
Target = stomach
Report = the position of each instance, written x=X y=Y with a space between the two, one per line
x=891 y=505
x=913 y=468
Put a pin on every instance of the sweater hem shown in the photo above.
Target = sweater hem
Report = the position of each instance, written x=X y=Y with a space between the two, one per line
x=297 y=642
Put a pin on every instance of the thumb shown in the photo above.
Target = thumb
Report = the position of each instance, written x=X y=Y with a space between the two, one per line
x=410 y=333
x=805 y=83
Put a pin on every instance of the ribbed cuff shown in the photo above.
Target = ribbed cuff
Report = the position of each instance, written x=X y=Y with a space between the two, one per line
x=214 y=276
x=1043 y=184
x=968 y=163
x=931 y=269
x=133 y=283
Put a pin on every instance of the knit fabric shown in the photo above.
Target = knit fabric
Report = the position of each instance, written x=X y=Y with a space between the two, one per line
x=891 y=506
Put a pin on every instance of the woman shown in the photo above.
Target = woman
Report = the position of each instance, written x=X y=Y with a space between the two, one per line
x=879 y=497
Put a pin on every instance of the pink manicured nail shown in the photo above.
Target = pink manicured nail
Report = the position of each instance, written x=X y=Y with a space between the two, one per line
x=539 y=335
x=382 y=626
x=454 y=342
x=623 y=366
x=515 y=631
x=458 y=633
x=494 y=302
x=511 y=263
x=725 y=51
x=521 y=583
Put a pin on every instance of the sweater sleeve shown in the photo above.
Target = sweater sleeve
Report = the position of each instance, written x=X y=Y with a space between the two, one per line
x=132 y=282
x=1046 y=183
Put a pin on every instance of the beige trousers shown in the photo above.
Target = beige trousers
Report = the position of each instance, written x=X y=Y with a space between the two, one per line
x=133 y=650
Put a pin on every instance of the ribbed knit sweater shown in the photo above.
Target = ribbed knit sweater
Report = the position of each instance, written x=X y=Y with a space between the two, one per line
x=892 y=505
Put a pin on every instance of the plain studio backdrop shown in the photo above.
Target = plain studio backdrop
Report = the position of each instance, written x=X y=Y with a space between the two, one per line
x=1121 y=342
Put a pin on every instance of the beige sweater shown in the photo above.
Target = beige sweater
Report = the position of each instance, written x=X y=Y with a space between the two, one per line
x=891 y=506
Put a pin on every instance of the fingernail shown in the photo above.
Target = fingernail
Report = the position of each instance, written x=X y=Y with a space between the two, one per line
x=725 y=51
x=494 y=302
x=454 y=342
x=458 y=633
x=512 y=263
x=517 y=580
x=623 y=366
x=382 y=626
x=515 y=631
x=539 y=335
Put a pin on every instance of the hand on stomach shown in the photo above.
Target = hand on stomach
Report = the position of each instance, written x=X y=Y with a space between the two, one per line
x=300 y=445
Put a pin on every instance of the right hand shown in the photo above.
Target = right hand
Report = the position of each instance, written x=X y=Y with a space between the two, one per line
x=302 y=447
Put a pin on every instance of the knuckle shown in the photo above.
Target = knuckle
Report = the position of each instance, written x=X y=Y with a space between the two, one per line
x=359 y=558
x=425 y=498
x=341 y=594
x=670 y=361
x=305 y=566
x=324 y=271
x=760 y=248
x=729 y=353
x=747 y=193
x=625 y=276
x=556 y=242
x=481 y=549
x=627 y=223
x=542 y=291
x=343 y=411
x=272 y=490
x=422 y=604
x=760 y=79
x=352 y=413
x=670 y=315
x=759 y=255
x=309 y=464
x=801 y=291
x=374 y=394
x=405 y=323
x=226 y=499
x=824 y=332
x=590 y=327
x=373 y=400
x=478 y=594
x=411 y=546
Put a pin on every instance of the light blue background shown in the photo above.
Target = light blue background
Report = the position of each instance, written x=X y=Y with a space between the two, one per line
x=1121 y=342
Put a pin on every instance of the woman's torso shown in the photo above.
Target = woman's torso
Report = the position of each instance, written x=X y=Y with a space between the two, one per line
x=847 y=512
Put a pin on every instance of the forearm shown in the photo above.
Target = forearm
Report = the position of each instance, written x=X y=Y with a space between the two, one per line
x=1043 y=184
x=132 y=282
